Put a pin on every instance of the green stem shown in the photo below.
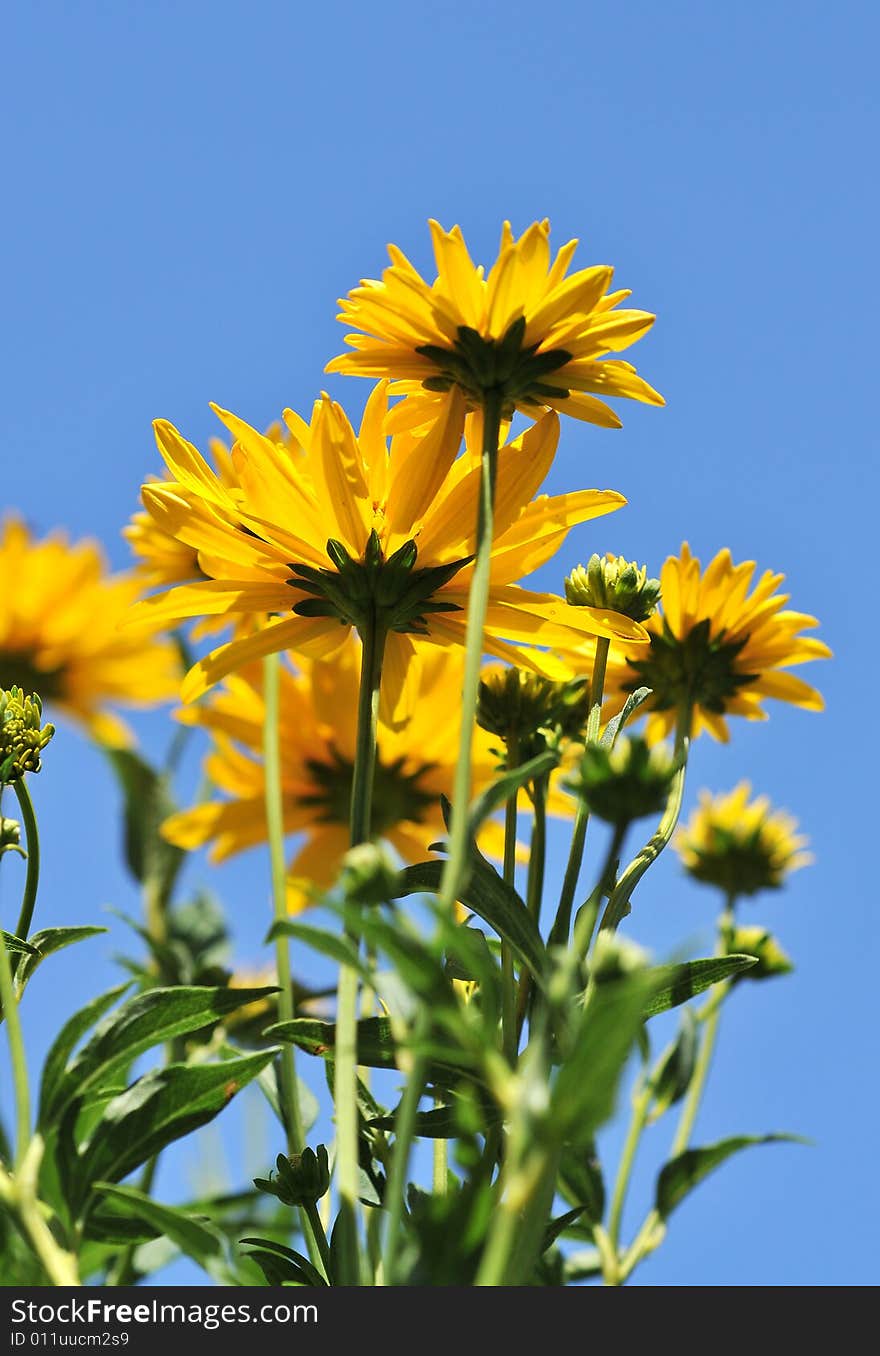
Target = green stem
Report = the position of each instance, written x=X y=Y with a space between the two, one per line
x=478 y=604
x=618 y=904
x=345 y=1077
x=404 y=1130
x=20 y=1195
x=32 y=878
x=314 y=1218
x=508 y=977
x=16 y=1055
x=534 y=888
x=641 y=1107
x=288 y=1085
x=597 y=687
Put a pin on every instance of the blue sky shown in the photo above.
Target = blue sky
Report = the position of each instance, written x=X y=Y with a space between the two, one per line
x=189 y=188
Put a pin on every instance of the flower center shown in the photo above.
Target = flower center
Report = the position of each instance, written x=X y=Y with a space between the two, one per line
x=17 y=670
x=387 y=593
x=477 y=365
x=397 y=795
x=697 y=669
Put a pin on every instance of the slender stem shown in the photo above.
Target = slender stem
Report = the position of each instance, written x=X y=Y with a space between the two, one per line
x=478 y=603
x=404 y=1130
x=16 y=1055
x=534 y=887
x=597 y=687
x=345 y=1076
x=440 y=1177
x=32 y=878
x=288 y=1084
x=311 y=1210
x=508 y=977
x=641 y=1107
x=623 y=890
x=711 y=1016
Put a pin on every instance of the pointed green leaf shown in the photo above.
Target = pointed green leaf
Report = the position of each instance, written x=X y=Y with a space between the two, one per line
x=49 y=940
x=157 y=1109
x=491 y=899
x=331 y=944
x=681 y=1174
x=675 y=984
x=59 y=1053
x=146 y=1020
x=196 y=1238
x=581 y=1181
x=675 y=1067
x=501 y=790
x=631 y=705
x=17 y=945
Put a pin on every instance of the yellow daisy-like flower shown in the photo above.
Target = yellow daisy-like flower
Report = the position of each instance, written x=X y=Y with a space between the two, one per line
x=716 y=649
x=59 y=617
x=358 y=532
x=318 y=717
x=741 y=845
x=527 y=331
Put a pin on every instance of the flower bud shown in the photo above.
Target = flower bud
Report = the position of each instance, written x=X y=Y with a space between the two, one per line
x=21 y=738
x=757 y=941
x=368 y=875
x=615 y=956
x=616 y=584
x=625 y=782
x=740 y=845
x=528 y=710
x=302 y=1179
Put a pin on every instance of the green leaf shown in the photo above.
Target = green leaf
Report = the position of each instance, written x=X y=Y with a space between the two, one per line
x=339 y=949
x=581 y=1181
x=616 y=724
x=376 y=1046
x=586 y=1085
x=157 y=1109
x=279 y=1263
x=675 y=984
x=198 y=1239
x=491 y=899
x=49 y=940
x=17 y=945
x=73 y=1029
x=146 y=1020
x=681 y=1174
x=443 y=1122
x=501 y=790
x=671 y=1079
x=148 y=802
x=558 y=1226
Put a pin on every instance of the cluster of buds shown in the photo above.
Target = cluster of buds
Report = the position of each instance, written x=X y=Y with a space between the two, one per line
x=626 y=782
x=22 y=740
x=616 y=584
x=302 y=1179
x=529 y=712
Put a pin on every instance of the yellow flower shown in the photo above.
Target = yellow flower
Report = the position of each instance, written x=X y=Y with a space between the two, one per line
x=539 y=337
x=356 y=528
x=741 y=846
x=59 y=637
x=717 y=648
x=318 y=715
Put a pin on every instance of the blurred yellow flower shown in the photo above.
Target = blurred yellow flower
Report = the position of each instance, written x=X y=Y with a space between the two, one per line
x=357 y=526
x=318 y=715
x=526 y=330
x=741 y=846
x=59 y=637
x=716 y=648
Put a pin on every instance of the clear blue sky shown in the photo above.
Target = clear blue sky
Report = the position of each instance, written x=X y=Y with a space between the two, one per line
x=190 y=187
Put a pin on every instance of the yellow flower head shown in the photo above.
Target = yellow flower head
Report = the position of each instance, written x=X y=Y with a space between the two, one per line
x=741 y=846
x=716 y=648
x=59 y=616
x=528 y=331
x=357 y=526
x=318 y=717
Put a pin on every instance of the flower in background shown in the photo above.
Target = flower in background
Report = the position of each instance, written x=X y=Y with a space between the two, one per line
x=539 y=337
x=357 y=530
x=318 y=716
x=717 y=649
x=59 y=615
x=741 y=845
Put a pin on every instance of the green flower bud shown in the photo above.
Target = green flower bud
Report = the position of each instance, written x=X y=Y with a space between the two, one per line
x=757 y=941
x=21 y=738
x=615 y=584
x=527 y=710
x=10 y=836
x=302 y=1179
x=368 y=875
x=615 y=956
x=626 y=782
